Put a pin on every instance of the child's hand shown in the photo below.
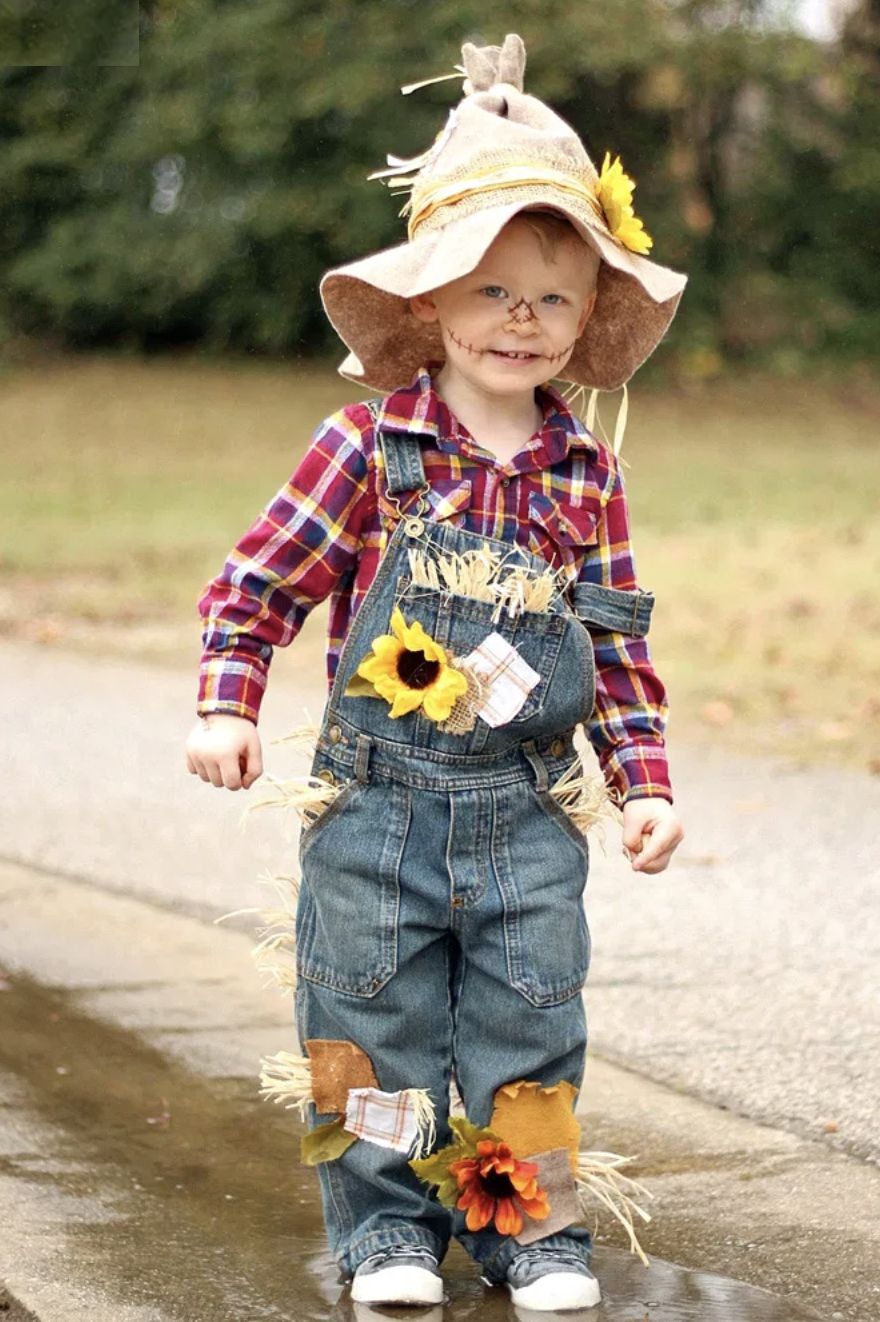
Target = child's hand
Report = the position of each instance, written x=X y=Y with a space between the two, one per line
x=225 y=750
x=651 y=831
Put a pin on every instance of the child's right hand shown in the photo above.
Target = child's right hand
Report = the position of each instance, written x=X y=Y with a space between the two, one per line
x=225 y=750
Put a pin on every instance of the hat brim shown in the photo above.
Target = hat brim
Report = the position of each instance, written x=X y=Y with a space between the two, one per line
x=367 y=302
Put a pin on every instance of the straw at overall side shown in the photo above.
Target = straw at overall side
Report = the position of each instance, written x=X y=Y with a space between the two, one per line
x=586 y=798
x=286 y=1079
x=308 y=795
x=274 y=953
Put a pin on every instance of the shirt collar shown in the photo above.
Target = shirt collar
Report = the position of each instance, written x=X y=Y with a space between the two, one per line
x=417 y=408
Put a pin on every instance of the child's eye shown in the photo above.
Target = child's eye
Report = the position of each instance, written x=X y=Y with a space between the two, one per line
x=493 y=291
x=555 y=299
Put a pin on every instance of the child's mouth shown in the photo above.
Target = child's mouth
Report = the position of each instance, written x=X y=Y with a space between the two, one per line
x=518 y=357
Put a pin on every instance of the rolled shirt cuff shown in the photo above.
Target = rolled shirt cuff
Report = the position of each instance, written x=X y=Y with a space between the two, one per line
x=638 y=771
x=233 y=686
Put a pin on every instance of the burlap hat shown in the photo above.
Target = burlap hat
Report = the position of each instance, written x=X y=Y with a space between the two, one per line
x=501 y=151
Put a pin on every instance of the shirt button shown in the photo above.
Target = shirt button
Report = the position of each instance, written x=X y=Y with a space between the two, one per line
x=334 y=734
x=457 y=901
x=557 y=748
x=505 y=481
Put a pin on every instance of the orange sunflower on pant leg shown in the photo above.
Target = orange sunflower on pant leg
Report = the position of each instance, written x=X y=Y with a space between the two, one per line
x=478 y=1173
x=495 y=1184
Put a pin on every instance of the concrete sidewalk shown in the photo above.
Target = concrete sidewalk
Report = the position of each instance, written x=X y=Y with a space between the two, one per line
x=178 y=1002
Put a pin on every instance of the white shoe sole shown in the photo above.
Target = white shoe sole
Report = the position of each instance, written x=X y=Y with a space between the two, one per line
x=557 y=1291
x=398 y=1285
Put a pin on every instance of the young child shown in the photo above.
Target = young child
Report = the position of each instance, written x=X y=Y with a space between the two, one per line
x=440 y=929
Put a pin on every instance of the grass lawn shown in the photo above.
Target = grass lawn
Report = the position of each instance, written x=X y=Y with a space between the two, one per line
x=754 y=506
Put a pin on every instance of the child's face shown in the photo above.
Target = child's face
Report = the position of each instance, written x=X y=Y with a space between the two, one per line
x=513 y=322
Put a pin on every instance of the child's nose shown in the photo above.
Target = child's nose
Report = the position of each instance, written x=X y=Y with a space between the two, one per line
x=522 y=317
x=522 y=326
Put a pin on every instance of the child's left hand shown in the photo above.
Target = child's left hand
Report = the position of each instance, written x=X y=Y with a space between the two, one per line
x=651 y=831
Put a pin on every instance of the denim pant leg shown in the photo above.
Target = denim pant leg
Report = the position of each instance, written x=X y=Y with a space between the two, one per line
x=391 y=835
x=519 y=1012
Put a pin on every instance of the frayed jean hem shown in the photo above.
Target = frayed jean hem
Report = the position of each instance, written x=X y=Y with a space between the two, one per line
x=390 y=1237
x=567 y=1252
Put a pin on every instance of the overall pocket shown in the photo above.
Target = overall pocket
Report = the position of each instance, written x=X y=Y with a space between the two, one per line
x=461 y=623
x=349 y=903
x=541 y=866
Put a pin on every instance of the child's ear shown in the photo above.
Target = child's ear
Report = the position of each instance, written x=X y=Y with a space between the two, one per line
x=589 y=304
x=423 y=307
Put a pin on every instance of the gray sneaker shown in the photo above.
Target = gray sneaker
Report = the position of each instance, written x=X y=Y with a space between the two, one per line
x=548 y=1282
x=404 y=1274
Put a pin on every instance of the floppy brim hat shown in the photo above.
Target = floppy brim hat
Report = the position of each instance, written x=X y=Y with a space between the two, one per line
x=501 y=152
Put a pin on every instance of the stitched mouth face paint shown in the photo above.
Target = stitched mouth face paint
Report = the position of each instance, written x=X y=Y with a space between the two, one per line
x=523 y=355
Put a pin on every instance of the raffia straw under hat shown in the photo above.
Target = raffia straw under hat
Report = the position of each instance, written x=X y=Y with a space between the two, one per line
x=500 y=152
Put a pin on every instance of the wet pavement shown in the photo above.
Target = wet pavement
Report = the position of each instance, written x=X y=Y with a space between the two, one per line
x=175 y=1198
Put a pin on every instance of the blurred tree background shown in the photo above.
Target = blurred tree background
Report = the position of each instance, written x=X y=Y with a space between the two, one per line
x=195 y=198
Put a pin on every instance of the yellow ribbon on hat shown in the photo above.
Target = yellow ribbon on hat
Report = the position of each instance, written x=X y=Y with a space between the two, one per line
x=428 y=195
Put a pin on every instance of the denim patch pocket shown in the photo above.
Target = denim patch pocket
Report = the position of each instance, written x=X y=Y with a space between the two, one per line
x=461 y=623
x=541 y=867
x=349 y=901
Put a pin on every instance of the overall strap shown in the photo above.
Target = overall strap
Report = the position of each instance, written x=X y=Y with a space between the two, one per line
x=402 y=456
x=613 y=608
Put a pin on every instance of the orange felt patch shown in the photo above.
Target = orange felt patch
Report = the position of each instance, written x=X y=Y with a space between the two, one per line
x=336 y=1067
x=532 y=1118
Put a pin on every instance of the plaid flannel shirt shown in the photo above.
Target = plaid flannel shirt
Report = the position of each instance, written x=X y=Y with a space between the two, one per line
x=322 y=535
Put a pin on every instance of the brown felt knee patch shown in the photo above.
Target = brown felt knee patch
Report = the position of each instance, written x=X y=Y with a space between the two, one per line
x=336 y=1067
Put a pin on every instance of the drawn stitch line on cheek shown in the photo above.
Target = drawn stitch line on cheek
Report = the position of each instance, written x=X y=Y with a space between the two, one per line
x=461 y=344
x=554 y=357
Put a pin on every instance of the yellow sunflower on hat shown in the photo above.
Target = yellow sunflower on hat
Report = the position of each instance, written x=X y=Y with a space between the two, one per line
x=615 y=192
x=409 y=670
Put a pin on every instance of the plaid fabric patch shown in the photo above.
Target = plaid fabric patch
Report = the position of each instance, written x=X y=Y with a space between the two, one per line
x=386 y=1118
x=510 y=678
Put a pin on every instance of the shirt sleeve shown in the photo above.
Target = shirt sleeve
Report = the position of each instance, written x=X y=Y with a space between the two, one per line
x=628 y=725
x=299 y=547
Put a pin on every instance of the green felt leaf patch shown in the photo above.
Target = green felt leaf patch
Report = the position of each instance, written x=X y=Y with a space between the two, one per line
x=325 y=1143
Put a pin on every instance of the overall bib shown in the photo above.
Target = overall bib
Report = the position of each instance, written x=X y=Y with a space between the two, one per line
x=440 y=923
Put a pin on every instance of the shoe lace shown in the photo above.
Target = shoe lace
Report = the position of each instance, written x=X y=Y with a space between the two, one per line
x=404 y=1251
x=524 y=1263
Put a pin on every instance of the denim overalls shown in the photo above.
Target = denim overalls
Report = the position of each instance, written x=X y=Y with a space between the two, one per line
x=440 y=923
